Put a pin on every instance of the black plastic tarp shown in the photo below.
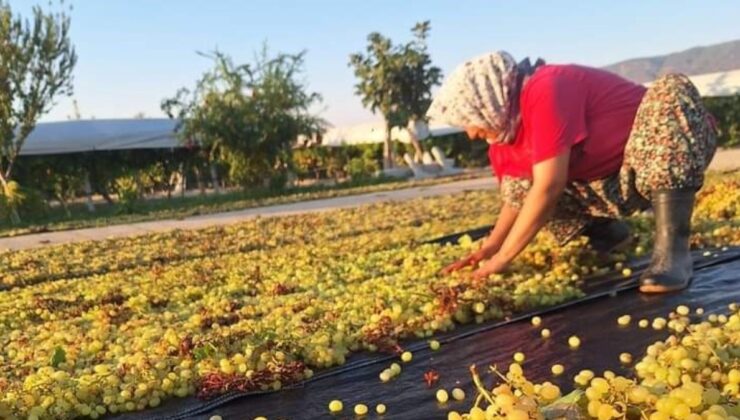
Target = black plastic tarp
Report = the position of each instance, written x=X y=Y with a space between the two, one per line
x=593 y=319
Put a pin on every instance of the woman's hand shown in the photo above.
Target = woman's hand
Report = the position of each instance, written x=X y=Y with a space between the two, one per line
x=490 y=245
x=468 y=261
x=492 y=266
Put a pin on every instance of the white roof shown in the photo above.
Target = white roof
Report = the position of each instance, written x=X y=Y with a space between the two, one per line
x=723 y=83
x=374 y=132
x=76 y=136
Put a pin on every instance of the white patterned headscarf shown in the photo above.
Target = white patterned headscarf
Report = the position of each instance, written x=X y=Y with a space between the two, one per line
x=484 y=93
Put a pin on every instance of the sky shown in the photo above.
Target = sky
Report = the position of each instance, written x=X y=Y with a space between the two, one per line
x=134 y=53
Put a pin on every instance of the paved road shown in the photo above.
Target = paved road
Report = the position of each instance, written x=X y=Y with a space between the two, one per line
x=723 y=160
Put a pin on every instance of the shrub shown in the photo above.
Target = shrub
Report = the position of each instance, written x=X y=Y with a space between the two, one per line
x=726 y=110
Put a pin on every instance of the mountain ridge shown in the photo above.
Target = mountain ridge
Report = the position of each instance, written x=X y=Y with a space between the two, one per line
x=697 y=60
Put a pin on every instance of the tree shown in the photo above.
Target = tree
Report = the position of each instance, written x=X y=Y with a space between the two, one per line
x=396 y=81
x=377 y=72
x=247 y=115
x=36 y=63
x=726 y=111
x=418 y=78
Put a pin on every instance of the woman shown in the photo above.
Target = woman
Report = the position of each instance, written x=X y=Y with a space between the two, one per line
x=575 y=148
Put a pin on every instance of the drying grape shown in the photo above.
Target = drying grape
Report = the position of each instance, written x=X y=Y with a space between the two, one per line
x=691 y=375
x=659 y=323
x=549 y=392
x=336 y=406
x=100 y=328
x=574 y=342
x=479 y=307
x=442 y=396
x=557 y=369
x=395 y=369
x=625 y=358
x=360 y=409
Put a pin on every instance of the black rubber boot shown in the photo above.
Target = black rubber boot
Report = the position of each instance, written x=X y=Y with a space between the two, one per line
x=671 y=266
x=607 y=235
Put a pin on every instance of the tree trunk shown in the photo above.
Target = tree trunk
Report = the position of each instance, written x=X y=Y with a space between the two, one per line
x=179 y=182
x=413 y=136
x=199 y=180
x=88 y=193
x=418 y=151
x=214 y=178
x=15 y=218
x=183 y=183
x=172 y=183
x=63 y=202
x=387 y=148
x=97 y=186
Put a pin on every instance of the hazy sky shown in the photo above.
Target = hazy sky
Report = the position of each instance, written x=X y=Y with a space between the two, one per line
x=133 y=53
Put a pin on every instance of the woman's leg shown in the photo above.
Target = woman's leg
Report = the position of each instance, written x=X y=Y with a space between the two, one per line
x=669 y=149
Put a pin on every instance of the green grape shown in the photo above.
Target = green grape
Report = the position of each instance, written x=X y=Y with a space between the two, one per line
x=557 y=369
x=574 y=342
x=458 y=394
x=360 y=409
x=336 y=406
x=442 y=396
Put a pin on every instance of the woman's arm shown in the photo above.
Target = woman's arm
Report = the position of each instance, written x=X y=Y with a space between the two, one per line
x=504 y=223
x=549 y=180
x=491 y=244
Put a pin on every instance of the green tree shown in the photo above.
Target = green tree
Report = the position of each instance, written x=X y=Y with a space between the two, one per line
x=419 y=76
x=726 y=111
x=36 y=63
x=246 y=115
x=396 y=80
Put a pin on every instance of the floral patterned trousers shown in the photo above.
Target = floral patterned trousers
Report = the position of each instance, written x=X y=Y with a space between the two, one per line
x=670 y=146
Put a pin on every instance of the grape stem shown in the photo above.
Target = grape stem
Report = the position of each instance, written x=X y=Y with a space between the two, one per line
x=481 y=389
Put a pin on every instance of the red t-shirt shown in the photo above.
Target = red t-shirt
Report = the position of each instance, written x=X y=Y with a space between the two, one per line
x=568 y=106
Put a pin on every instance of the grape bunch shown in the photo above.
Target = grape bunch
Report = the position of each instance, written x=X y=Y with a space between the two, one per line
x=694 y=375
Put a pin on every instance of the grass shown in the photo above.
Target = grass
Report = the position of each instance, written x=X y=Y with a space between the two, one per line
x=57 y=219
